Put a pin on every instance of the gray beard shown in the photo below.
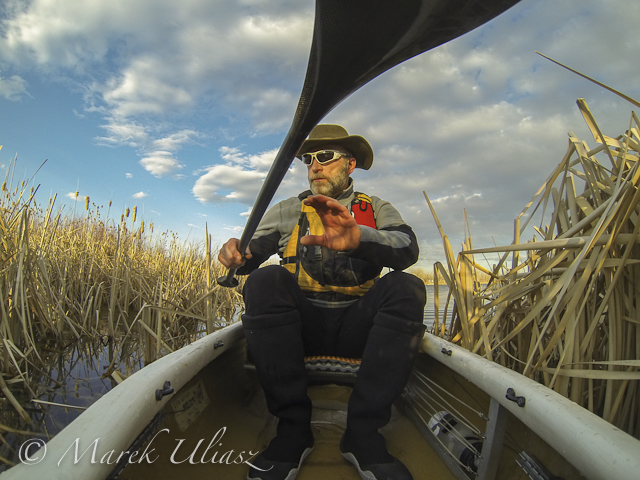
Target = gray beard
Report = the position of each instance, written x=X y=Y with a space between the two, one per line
x=333 y=187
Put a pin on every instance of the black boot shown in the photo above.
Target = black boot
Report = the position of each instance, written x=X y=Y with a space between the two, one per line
x=388 y=357
x=275 y=346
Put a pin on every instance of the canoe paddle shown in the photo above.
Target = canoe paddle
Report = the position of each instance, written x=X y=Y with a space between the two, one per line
x=354 y=41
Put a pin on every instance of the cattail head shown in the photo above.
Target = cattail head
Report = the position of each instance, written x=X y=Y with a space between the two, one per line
x=126 y=213
x=135 y=211
x=86 y=203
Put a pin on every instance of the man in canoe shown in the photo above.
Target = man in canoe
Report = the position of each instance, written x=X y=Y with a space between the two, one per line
x=328 y=298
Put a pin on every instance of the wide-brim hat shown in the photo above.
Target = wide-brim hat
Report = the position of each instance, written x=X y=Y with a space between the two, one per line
x=328 y=134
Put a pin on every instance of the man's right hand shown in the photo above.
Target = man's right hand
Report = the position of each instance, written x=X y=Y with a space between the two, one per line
x=230 y=256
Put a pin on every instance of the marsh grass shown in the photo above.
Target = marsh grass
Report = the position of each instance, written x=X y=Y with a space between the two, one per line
x=68 y=275
x=562 y=308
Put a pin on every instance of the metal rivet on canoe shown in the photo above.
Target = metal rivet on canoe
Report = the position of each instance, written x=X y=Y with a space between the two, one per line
x=511 y=395
x=446 y=351
x=218 y=344
x=166 y=390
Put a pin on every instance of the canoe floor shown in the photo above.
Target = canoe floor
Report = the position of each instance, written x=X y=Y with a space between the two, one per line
x=223 y=409
x=219 y=419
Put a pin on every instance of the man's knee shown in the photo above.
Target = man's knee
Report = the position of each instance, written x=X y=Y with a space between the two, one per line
x=270 y=289
x=416 y=287
x=405 y=285
x=266 y=278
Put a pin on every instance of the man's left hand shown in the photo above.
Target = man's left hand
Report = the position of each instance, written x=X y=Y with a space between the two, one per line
x=341 y=232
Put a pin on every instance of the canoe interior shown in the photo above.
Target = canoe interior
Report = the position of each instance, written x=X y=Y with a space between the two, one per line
x=236 y=405
x=211 y=426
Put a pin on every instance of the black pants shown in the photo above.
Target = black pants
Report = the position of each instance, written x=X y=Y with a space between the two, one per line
x=334 y=331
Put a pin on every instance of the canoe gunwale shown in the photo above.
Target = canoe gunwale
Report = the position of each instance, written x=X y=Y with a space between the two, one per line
x=596 y=448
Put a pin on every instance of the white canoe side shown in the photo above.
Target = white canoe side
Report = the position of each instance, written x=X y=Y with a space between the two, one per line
x=596 y=448
x=116 y=419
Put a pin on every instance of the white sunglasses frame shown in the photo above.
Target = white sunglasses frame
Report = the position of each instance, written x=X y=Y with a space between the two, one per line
x=314 y=156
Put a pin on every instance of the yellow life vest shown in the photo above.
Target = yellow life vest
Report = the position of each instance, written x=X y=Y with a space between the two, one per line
x=345 y=275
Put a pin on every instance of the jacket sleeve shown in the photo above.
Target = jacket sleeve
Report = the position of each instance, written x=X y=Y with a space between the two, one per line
x=265 y=242
x=393 y=244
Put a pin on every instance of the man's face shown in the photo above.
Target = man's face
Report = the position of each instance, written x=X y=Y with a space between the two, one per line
x=332 y=178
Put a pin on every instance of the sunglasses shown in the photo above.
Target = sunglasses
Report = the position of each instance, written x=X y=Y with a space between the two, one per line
x=323 y=156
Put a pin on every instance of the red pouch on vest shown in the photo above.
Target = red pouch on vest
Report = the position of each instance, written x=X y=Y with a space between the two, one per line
x=363 y=213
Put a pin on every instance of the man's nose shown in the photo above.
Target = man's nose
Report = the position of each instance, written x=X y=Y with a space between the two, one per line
x=315 y=165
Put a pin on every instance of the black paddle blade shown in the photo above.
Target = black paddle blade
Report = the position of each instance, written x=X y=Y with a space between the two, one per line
x=354 y=41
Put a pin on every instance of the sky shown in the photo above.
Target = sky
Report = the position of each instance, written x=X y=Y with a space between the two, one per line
x=178 y=108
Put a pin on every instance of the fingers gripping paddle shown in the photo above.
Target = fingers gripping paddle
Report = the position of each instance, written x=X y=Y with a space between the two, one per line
x=354 y=41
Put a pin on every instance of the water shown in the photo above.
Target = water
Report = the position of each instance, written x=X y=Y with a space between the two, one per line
x=429 y=310
x=76 y=376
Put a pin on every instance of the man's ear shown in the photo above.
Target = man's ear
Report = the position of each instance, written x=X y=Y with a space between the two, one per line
x=352 y=165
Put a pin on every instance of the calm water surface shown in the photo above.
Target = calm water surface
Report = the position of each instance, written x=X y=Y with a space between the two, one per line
x=429 y=311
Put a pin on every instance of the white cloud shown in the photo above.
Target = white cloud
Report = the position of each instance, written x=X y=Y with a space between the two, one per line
x=13 y=87
x=235 y=230
x=158 y=155
x=73 y=196
x=458 y=197
x=124 y=133
x=128 y=175
x=238 y=179
x=140 y=195
x=140 y=89
x=160 y=163
x=175 y=141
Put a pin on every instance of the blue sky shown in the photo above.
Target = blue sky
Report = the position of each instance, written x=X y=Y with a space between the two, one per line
x=178 y=108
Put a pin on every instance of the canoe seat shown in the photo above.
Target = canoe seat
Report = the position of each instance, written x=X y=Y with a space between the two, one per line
x=325 y=369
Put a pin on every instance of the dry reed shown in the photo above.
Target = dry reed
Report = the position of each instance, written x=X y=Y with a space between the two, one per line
x=67 y=276
x=562 y=308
